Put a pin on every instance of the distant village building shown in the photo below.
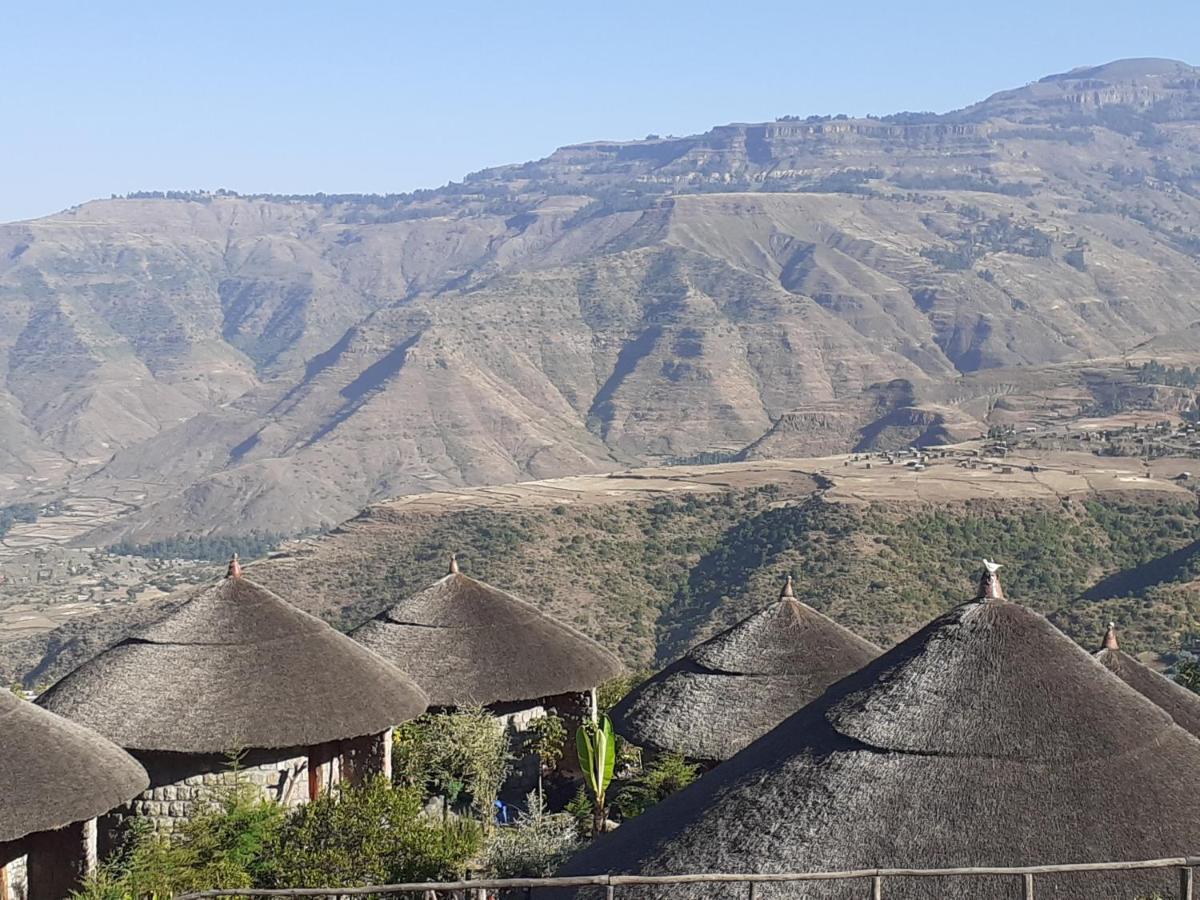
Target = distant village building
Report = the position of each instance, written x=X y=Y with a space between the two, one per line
x=986 y=738
x=238 y=670
x=1174 y=699
x=55 y=777
x=735 y=687
x=467 y=643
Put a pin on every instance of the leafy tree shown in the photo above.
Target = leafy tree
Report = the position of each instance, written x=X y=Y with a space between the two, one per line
x=547 y=739
x=666 y=775
x=1187 y=673
x=372 y=834
x=455 y=756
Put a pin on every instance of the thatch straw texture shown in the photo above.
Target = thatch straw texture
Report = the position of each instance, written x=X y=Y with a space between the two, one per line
x=466 y=643
x=1181 y=704
x=987 y=738
x=735 y=687
x=54 y=772
x=236 y=667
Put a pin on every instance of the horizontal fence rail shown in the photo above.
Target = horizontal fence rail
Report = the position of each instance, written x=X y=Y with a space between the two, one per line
x=877 y=877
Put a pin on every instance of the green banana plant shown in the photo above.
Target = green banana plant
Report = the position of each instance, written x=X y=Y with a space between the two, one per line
x=596 y=745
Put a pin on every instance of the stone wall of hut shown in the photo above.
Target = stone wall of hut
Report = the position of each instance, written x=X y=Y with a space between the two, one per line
x=182 y=785
x=524 y=775
x=516 y=718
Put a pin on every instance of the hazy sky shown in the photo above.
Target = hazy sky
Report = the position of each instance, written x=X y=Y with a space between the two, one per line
x=103 y=97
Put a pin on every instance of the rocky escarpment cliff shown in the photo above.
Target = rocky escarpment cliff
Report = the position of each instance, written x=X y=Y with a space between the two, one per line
x=226 y=363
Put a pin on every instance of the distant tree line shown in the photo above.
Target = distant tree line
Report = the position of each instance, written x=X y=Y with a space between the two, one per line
x=18 y=512
x=1000 y=234
x=215 y=548
x=983 y=182
x=1155 y=372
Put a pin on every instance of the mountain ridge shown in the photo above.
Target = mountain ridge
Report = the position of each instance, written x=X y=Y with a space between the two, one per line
x=237 y=363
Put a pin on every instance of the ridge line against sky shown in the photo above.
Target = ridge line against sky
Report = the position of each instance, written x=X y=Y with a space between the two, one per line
x=379 y=97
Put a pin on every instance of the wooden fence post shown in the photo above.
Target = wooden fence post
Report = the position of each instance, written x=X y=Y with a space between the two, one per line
x=610 y=890
x=1185 y=883
x=1028 y=886
x=753 y=890
x=877 y=888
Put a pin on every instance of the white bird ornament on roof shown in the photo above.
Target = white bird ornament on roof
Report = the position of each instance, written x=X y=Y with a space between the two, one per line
x=989 y=582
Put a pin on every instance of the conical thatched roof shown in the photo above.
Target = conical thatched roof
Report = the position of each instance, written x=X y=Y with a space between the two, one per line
x=735 y=687
x=54 y=772
x=1181 y=704
x=986 y=738
x=466 y=642
x=236 y=667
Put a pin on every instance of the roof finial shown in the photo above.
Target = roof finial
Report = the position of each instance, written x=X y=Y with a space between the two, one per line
x=235 y=568
x=453 y=563
x=989 y=582
x=1110 y=637
x=786 y=593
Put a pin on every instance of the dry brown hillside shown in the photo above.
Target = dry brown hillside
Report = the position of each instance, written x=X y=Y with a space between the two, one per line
x=226 y=363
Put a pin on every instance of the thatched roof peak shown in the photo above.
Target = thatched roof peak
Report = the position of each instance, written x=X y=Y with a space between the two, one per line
x=736 y=686
x=983 y=739
x=235 y=667
x=1110 y=638
x=787 y=592
x=54 y=772
x=453 y=570
x=235 y=568
x=989 y=582
x=1180 y=703
x=466 y=642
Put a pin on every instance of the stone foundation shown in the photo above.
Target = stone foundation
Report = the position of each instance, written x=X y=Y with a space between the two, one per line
x=183 y=785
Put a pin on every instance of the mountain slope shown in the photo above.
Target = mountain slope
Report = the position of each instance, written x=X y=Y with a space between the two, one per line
x=279 y=362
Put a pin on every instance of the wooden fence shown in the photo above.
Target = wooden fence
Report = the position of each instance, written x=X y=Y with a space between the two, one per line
x=876 y=877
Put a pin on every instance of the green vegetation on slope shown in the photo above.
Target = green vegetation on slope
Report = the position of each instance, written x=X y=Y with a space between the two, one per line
x=649 y=578
x=884 y=571
x=216 y=548
x=18 y=512
x=659 y=576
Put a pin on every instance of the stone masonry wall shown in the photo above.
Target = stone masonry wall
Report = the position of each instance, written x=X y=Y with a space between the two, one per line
x=182 y=785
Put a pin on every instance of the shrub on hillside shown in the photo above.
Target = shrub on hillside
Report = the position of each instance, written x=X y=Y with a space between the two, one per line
x=457 y=756
x=535 y=845
x=374 y=834
x=226 y=846
x=662 y=778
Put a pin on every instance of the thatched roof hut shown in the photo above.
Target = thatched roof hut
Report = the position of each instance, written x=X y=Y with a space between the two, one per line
x=467 y=643
x=236 y=667
x=986 y=738
x=1181 y=704
x=54 y=772
x=735 y=687
x=56 y=777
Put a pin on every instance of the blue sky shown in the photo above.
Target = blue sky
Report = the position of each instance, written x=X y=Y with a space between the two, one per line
x=102 y=97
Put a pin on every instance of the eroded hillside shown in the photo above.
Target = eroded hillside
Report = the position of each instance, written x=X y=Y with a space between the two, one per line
x=232 y=363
